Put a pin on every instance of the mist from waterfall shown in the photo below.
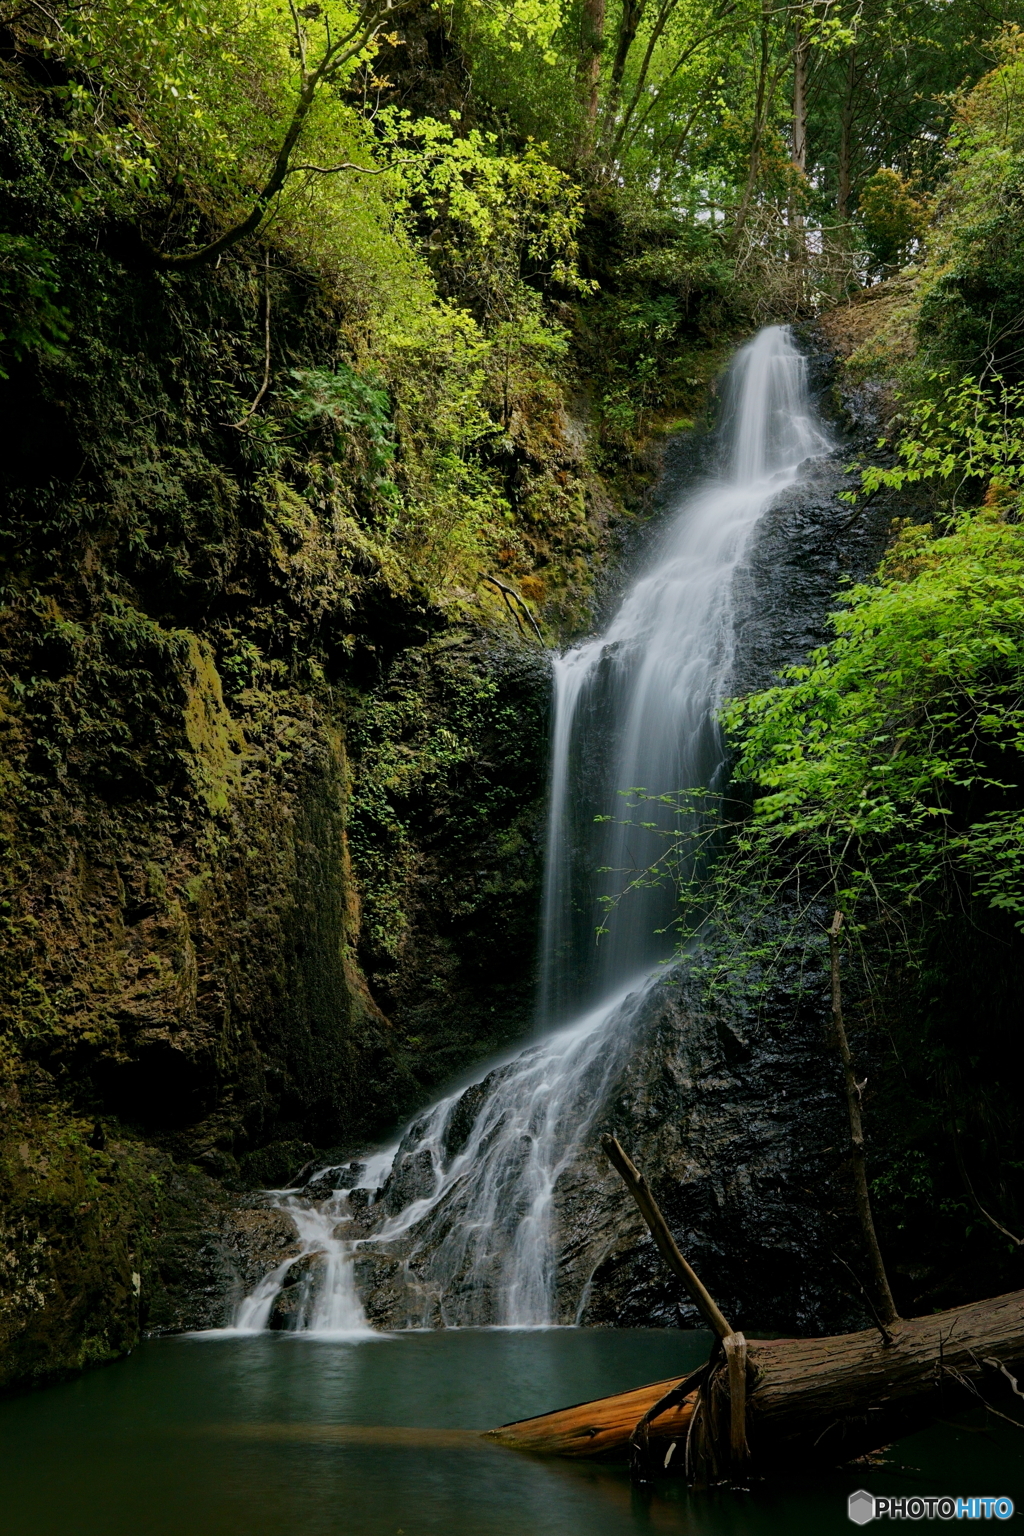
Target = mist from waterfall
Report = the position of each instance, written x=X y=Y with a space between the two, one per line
x=470 y=1203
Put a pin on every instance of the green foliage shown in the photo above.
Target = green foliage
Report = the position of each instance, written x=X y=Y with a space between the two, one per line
x=893 y=219
x=895 y=753
x=893 y=759
x=965 y=431
x=30 y=318
x=667 y=295
x=972 y=290
x=356 y=414
x=886 y=95
x=494 y=218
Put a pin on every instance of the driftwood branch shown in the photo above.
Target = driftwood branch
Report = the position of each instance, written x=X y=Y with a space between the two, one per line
x=638 y=1188
x=603 y=1430
x=735 y=1347
x=997 y=1365
x=887 y=1306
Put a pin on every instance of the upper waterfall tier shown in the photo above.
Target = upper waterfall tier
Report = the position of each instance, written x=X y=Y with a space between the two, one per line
x=635 y=707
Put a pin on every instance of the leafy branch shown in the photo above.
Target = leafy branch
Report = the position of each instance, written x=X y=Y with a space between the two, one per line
x=337 y=52
x=969 y=429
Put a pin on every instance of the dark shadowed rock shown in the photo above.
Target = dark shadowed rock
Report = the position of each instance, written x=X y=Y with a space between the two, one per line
x=301 y=1283
x=731 y=1104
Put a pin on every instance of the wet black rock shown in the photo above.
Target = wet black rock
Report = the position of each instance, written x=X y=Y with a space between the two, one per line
x=328 y=1180
x=734 y=1110
x=302 y=1280
x=735 y=1115
x=463 y=1117
x=730 y=1102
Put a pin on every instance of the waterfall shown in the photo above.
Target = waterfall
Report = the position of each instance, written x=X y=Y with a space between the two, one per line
x=635 y=707
x=469 y=1207
x=318 y=1281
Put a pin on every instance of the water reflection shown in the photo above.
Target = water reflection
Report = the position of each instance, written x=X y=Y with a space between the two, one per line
x=277 y=1436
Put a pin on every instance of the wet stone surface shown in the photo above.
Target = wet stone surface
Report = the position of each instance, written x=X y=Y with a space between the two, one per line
x=733 y=1108
x=301 y=1282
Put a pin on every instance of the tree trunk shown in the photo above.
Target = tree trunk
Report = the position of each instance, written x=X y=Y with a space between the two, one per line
x=801 y=54
x=598 y=1430
x=886 y=1304
x=632 y=14
x=761 y=1403
x=846 y=138
x=824 y=1400
x=851 y=1394
x=589 y=68
x=762 y=106
x=798 y=240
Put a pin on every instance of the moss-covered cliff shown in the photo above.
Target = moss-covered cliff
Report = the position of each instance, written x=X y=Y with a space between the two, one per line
x=278 y=525
x=271 y=750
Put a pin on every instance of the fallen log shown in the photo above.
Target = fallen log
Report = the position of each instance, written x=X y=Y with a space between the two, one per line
x=757 y=1404
x=847 y=1395
x=599 y=1430
x=825 y=1399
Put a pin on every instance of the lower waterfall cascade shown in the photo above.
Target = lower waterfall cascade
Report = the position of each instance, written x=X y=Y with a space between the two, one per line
x=467 y=1202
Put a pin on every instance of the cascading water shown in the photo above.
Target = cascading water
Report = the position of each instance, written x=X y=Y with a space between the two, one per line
x=325 y=1300
x=469 y=1207
x=635 y=708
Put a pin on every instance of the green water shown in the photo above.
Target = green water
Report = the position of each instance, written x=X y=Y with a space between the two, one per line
x=284 y=1436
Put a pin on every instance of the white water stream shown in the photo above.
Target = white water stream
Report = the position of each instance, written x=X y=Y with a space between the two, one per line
x=471 y=1202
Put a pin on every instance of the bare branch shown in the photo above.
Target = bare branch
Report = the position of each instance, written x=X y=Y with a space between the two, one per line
x=999 y=1366
x=961 y=1169
x=666 y=1243
x=889 y=1313
x=300 y=38
x=266 y=347
x=707 y=38
x=510 y=592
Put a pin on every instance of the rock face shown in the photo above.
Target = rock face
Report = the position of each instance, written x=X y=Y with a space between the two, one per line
x=268 y=810
x=301 y=1282
x=738 y=1122
x=738 y=1119
x=730 y=1100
